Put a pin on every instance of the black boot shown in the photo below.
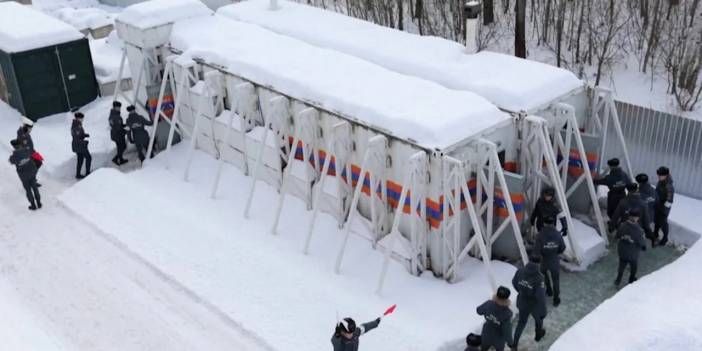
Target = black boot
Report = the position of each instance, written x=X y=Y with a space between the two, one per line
x=540 y=335
x=32 y=207
x=556 y=301
x=663 y=241
x=38 y=204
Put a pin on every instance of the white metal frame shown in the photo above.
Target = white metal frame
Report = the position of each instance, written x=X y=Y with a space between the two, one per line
x=603 y=109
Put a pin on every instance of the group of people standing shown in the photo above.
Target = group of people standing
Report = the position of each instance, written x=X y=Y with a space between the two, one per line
x=636 y=211
x=27 y=160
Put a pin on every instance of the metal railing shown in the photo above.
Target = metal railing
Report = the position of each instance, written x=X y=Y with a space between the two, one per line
x=655 y=139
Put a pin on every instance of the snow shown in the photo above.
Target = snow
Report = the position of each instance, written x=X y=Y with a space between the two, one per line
x=21 y=328
x=404 y=106
x=664 y=302
x=23 y=28
x=686 y=227
x=85 y=18
x=264 y=282
x=155 y=13
x=52 y=136
x=67 y=286
x=590 y=244
x=107 y=54
x=509 y=82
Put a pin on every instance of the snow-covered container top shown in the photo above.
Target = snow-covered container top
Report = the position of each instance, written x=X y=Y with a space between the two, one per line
x=148 y=24
x=155 y=13
x=23 y=28
x=509 y=82
x=403 y=106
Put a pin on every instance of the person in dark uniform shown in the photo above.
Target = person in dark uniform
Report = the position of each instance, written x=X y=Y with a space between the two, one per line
x=24 y=134
x=631 y=242
x=497 y=329
x=665 y=192
x=80 y=146
x=531 y=298
x=346 y=336
x=631 y=201
x=616 y=180
x=549 y=245
x=137 y=131
x=545 y=207
x=27 y=171
x=118 y=133
x=648 y=195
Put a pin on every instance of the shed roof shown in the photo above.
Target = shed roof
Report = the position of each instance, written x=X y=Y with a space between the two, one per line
x=22 y=28
x=511 y=83
x=405 y=106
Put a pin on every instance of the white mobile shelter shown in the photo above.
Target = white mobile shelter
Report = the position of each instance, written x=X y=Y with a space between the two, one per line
x=356 y=123
x=518 y=86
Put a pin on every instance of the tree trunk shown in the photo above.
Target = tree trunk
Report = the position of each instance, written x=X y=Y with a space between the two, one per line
x=693 y=11
x=547 y=16
x=419 y=13
x=488 y=12
x=559 y=30
x=653 y=35
x=505 y=6
x=520 y=29
x=580 y=31
x=400 y=15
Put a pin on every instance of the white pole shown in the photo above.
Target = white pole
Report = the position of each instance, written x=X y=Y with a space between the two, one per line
x=320 y=187
x=283 y=185
x=193 y=139
x=118 y=87
x=162 y=91
x=254 y=177
x=176 y=112
x=352 y=208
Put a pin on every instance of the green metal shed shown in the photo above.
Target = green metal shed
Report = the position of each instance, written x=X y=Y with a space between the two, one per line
x=45 y=64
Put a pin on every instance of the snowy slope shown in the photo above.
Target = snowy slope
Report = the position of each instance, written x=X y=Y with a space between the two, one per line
x=405 y=106
x=158 y=12
x=509 y=82
x=23 y=28
x=263 y=281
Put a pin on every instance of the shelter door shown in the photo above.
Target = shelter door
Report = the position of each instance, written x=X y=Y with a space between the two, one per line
x=40 y=83
x=78 y=73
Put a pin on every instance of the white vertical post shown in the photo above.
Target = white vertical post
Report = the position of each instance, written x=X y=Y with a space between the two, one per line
x=352 y=209
x=193 y=139
x=120 y=74
x=167 y=75
x=176 y=113
x=394 y=231
x=254 y=177
x=283 y=186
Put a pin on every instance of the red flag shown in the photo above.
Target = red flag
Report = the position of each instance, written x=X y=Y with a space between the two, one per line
x=389 y=310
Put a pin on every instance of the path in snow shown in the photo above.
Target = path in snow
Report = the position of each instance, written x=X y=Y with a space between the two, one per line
x=582 y=292
x=97 y=296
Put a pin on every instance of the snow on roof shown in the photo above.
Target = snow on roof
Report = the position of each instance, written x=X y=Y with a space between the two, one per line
x=87 y=18
x=154 y=13
x=511 y=83
x=405 y=106
x=23 y=28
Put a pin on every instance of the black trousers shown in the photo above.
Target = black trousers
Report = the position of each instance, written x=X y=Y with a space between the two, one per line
x=121 y=147
x=633 y=266
x=521 y=324
x=613 y=200
x=32 y=191
x=660 y=223
x=83 y=157
x=552 y=273
x=141 y=150
x=491 y=347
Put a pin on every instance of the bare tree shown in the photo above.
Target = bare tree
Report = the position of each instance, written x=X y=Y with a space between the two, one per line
x=520 y=29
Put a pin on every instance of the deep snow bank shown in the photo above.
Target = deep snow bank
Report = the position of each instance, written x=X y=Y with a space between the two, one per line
x=262 y=281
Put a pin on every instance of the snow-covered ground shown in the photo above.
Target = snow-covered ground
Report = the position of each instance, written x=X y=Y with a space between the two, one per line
x=52 y=136
x=264 y=281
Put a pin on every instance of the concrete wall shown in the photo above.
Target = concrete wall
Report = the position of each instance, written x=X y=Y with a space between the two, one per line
x=213 y=4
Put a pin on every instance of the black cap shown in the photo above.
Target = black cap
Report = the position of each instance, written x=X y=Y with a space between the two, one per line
x=632 y=187
x=634 y=212
x=347 y=325
x=131 y=108
x=642 y=178
x=78 y=115
x=503 y=293
x=663 y=171
x=473 y=340
x=549 y=191
x=613 y=162
x=116 y=104
x=549 y=220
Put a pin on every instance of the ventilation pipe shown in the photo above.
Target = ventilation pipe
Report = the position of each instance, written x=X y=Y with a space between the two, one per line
x=471 y=10
x=273 y=5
